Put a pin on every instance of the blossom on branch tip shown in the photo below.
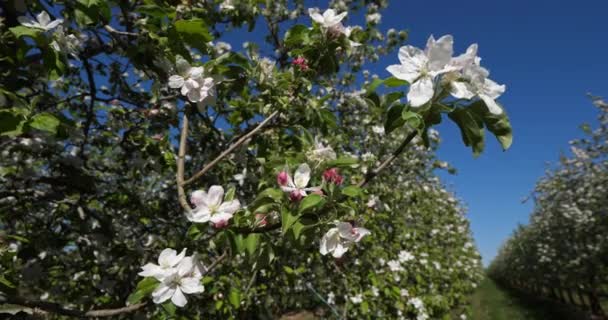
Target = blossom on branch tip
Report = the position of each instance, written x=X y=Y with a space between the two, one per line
x=186 y=279
x=297 y=187
x=167 y=261
x=42 y=21
x=420 y=68
x=341 y=238
x=210 y=207
x=328 y=19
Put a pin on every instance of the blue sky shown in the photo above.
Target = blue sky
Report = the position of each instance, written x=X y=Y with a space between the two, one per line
x=549 y=54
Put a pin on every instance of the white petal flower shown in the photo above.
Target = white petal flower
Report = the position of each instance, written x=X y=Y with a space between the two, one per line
x=210 y=206
x=328 y=19
x=338 y=240
x=321 y=152
x=167 y=261
x=42 y=21
x=299 y=183
x=186 y=279
x=420 y=68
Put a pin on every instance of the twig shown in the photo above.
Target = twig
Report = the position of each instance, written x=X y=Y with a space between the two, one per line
x=181 y=194
x=216 y=262
x=59 y=309
x=372 y=174
x=123 y=33
x=227 y=151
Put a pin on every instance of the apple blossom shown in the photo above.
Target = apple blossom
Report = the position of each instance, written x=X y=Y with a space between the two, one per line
x=282 y=178
x=321 y=151
x=332 y=176
x=328 y=19
x=301 y=63
x=42 y=21
x=474 y=82
x=297 y=187
x=69 y=44
x=167 y=261
x=184 y=280
x=193 y=84
x=210 y=207
x=339 y=239
x=420 y=68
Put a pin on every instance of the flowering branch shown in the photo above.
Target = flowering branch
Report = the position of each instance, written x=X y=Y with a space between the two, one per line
x=227 y=151
x=181 y=194
x=372 y=174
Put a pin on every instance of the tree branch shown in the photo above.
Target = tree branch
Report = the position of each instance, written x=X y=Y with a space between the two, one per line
x=183 y=140
x=372 y=174
x=226 y=152
x=59 y=309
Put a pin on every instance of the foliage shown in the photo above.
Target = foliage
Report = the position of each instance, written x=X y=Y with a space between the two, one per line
x=94 y=97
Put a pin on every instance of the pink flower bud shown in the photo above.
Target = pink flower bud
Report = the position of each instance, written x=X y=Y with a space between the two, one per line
x=295 y=196
x=301 y=63
x=282 y=178
x=221 y=224
x=332 y=175
x=260 y=218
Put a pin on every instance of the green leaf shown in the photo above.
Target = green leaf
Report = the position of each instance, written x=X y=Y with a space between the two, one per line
x=297 y=35
x=144 y=288
x=45 y=122
x=272 y=193
x=23 y=31
x=230 y=194
x=194 y=33
x=499 y=124
x=394 y=117
x=471 y=128
x=413 y=119
x=169 y=307
x=5 y=282
x=250 y=243
x=343 y=162
x=394 y=82
x=374 y=85
x=311 y=201
x=287 y=220
x=11 y=123
x=352 y=191
x=235 y=298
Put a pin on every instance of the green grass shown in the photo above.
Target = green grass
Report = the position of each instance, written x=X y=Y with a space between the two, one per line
x=491 y=302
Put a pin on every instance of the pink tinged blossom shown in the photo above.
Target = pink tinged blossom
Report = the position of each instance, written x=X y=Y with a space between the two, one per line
x=301 y=63
x=297 y=187
x=282 y=178
x=210 y=207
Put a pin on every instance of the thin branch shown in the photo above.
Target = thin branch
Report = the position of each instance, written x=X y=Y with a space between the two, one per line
x=122 y=33
x=59 y=309
x=226 y=152
x=372 y=174
x=183 y=139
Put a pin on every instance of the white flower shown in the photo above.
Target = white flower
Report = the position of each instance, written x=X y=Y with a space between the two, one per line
x=394 y=266
x=331 y=298
x=193 y=83
x=321 y=152
x=417 y=303
x=328 y=19
x=339 y=239
x=167 y=261
x=186 y=279
x=227 y=5
x=240 y=177
x=70 y=44
x=298 y=185
x=379 y=130
x=405 y=256
x=356 y=299
x=420 y=68
x=210 y=206
x=373 y=18
x=43 y=21
x=473 y=81
x=404 y=293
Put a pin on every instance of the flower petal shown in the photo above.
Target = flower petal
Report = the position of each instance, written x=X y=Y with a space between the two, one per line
x=178 y=298
x=167 y=258
x=421 y=92
x=302 y=176
x=200 y=214
x=403 y=72
x=413 y=56
x=215 y=196
x=53 y=24
x=439 y=52
x=162 y=293
x=185 y=267
x=198 y=197
x=316 y=16
x=493 y=89
x=220 y=217
x=493 y=107
x=361 y=232
x=329 y=241
x=462 y=90
x=150 y=270
x=230 y=206
x=176 y=81
x=340 y=250
x=43 y=19
x=191 y=285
